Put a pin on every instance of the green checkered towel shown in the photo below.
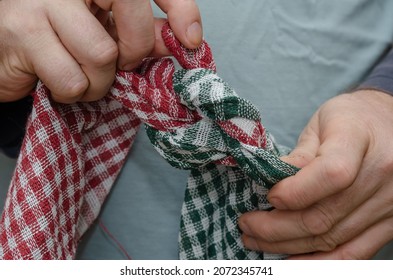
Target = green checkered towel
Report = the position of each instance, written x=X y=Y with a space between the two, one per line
x=233 y=161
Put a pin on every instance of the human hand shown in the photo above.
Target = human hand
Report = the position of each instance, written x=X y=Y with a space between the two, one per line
x=340 y=204
x=73 y=46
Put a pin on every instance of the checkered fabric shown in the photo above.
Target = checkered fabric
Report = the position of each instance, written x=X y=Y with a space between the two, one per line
x=233 y=163
x=72 y=154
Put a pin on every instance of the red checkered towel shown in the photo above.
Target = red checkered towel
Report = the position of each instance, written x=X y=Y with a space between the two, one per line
x=72 y=154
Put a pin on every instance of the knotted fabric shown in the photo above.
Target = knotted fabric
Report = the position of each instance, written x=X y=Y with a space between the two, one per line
x=72 y=154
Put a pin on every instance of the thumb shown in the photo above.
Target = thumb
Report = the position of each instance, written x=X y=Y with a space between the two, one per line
x=298 y=158
x=305 y=150
x=185 y=20
x=302 y=155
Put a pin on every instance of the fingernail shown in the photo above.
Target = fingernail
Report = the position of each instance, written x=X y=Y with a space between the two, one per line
x=244 y=227
x=194 y=33
x=277 y=203
x=250 y=243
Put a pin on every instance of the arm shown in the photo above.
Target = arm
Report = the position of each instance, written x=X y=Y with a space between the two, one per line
x=381 y=78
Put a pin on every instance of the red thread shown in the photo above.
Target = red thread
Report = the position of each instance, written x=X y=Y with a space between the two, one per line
x=110 y=235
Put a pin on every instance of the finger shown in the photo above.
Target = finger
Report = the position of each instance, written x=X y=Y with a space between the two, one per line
x=159 y=49
x=363 y=247
x=286 y=247
x=185 y=20
x=91 y=46
x=312 y=229
x=56 y=67
x=336 y=166
x=335 y=214
x=277 y=225
x=367 y=209
x=307 y=147
x=333 y=218
x=134 y=27
x=280 y=232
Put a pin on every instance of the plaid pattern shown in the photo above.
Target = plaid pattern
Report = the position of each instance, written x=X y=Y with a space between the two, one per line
x=72 y=154
x=233 y=163
x=63 y=175
x=216 y=196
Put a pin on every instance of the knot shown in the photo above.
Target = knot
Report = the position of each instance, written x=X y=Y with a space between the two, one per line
x=228 y=130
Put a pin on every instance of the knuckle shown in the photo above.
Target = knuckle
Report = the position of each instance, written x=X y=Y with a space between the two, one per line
x=21 y=27
x=104 y=54
x=340 y=173
x=317 y=220
x=71 y=89
x=10 y=23
x=324 y=243
x=261 y=230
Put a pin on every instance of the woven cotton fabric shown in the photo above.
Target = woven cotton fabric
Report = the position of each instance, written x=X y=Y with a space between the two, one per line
x=72 y=154
x=234 y=162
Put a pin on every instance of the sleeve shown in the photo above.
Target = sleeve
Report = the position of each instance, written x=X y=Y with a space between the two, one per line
x=13 y=117
x=381 y=77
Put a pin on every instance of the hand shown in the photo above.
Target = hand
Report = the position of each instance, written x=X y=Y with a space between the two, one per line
x=73 y=46
x=340 y=204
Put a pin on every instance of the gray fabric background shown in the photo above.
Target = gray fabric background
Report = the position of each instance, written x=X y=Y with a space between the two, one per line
x=287 y=57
